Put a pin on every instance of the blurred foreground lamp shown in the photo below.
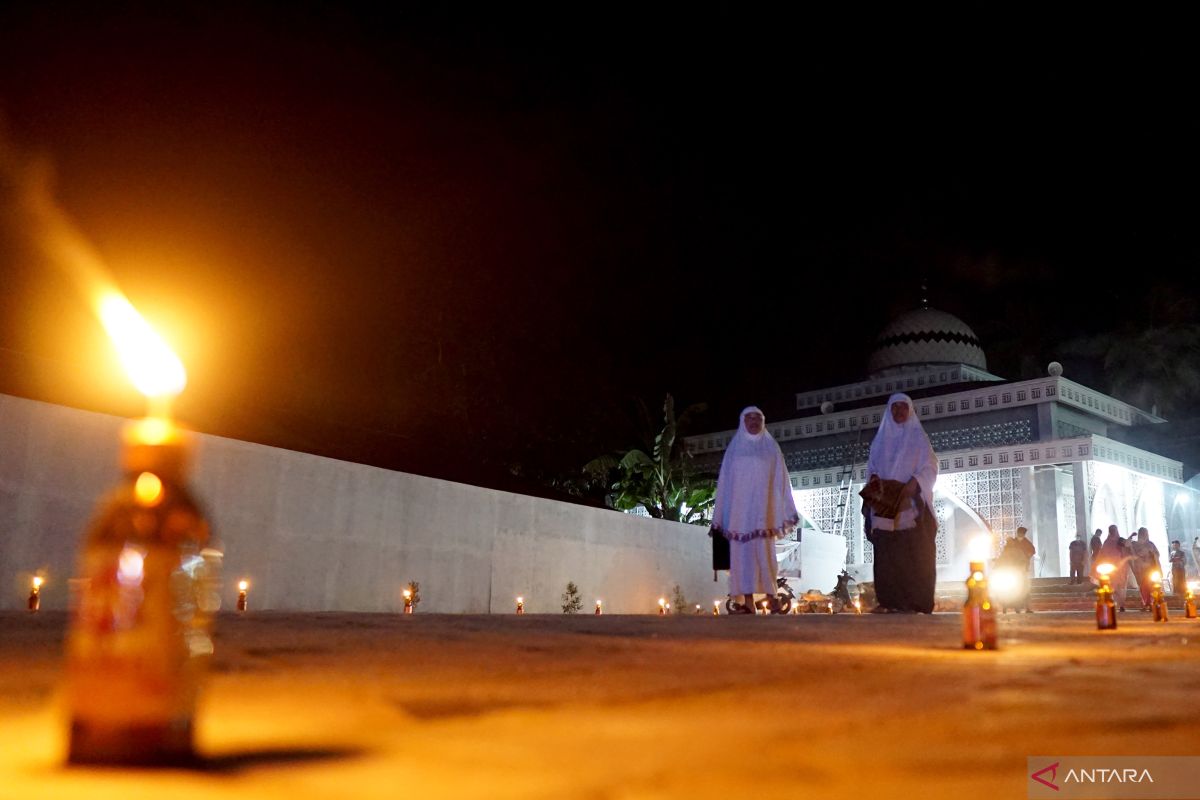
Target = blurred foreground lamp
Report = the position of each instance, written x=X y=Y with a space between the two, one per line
x=1106 y=608
x=858 y=605
x=35 y=593
x=1158 y=603
x=408 y=601
x=1189 y=600
x=243 y=588
x=140 y=634
x=520 y=605
x=979 y=617
x=598 y=612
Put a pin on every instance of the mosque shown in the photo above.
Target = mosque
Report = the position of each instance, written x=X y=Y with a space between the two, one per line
x=1048 y=454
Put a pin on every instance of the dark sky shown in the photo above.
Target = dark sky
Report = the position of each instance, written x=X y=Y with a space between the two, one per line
x=461 y=241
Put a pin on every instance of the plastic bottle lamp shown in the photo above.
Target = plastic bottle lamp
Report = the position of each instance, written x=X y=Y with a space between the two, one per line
x=1106 y=608
x=1158 y=603
x=35 y=593
x=131 y=685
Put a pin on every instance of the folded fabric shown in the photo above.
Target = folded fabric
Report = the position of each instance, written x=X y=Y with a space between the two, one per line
x=882 y=497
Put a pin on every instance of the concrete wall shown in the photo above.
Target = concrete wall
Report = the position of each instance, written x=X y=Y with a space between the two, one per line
x=316 y=534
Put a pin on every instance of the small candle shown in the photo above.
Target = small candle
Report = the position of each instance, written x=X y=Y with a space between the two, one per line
x=243 y=587
x=698 y=608
x=716 y=608
x=1189 y=600
x=598 y=604
x=408 y=603
x=520 y=605
x=662 y=606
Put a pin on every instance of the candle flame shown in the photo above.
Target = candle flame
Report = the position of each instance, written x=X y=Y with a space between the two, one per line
x=37 y=582
x=148 y=489
x=243 y=585
x=1156 y=576
x=1105 y=569
x=150 y=364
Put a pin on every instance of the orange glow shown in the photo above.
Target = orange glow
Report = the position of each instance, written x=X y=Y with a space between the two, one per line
x=407 y=594
x=243 y=585
x=148 y=489
x=37 y=582
x=150 y=364
x=1156 y=576
x=1104 y=569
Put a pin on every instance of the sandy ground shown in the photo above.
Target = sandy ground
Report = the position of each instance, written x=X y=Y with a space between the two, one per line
x=431 y=706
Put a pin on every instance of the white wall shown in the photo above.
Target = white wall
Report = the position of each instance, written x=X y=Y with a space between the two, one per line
x=316 y=534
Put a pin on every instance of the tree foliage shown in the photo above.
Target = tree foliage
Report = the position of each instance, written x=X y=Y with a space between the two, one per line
x=660 y=475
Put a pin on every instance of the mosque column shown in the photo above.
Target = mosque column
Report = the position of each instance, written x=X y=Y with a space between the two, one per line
x=1041 y=496
x=1082 y=501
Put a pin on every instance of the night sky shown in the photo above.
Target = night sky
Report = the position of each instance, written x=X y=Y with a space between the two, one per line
x=462 y=242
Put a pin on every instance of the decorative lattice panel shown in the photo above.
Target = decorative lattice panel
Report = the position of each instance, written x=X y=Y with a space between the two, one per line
x=942 y=510
x=993 y=494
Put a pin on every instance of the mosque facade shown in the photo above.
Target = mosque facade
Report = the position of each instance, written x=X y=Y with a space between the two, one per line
x=1045 y=453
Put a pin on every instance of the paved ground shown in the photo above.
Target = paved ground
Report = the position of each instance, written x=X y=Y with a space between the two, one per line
x=375 y=706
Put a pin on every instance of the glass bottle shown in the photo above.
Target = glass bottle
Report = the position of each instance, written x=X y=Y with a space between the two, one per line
x=1158 y=603
x=1106 y=607
x=141 y=629
x=979 y=617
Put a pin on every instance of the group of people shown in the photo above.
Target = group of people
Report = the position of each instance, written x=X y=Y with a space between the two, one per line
x=754 y=507
x=1137 y=555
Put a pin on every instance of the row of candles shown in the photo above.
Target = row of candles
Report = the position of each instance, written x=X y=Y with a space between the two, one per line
x=978 y=611
x=664 y=607
x=35 y=594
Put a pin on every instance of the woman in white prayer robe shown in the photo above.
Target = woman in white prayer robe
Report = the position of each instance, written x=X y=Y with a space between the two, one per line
x=905 y=549
x=753 y=508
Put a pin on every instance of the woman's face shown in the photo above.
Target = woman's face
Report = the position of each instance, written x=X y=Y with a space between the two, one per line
x=754 y=423
x=900 y=411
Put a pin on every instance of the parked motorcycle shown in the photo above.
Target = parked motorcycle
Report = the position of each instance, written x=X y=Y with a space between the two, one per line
x=780 y=603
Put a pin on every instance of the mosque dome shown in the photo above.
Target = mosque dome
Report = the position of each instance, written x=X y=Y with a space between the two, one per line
x=923 y=337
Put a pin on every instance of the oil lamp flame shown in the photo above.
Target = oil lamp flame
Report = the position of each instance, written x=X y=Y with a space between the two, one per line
x=1105 y=569
x=243 y=585
x=155 y=371
x=37 y=582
